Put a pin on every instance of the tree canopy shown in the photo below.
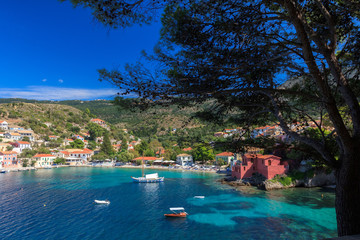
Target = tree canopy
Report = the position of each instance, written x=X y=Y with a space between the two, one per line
x=237 y=55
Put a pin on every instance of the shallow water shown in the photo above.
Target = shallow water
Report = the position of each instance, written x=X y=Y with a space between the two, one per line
x=58 y=204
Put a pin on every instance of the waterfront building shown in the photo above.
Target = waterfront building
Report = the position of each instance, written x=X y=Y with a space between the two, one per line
x=267 y=165
x=43 y=160
x=228 y=157
x=84 y=154
x=9 y=159
x=4 y=125
x=147 y=160
x=184 y=159
x=1 y=161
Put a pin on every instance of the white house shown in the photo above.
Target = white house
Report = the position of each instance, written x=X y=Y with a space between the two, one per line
x=227 y=157
x=43 y=160
x=13 y=135
x=23 y=145
x=4 y=125
x=184 y=159
x=27 y=133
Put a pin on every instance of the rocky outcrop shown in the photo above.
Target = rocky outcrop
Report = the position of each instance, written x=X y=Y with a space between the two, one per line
x=271 y=185
x=320 y=180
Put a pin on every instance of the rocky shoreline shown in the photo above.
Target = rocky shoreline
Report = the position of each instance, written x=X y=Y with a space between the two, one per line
x=320 y=179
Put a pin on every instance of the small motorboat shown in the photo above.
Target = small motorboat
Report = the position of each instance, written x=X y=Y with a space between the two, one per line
x=177 y=212
x=102 y=201
x=199 y=197
x=2 y=171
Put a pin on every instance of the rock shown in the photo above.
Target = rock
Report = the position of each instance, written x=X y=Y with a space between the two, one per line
x=320 y=179
x=270 y=185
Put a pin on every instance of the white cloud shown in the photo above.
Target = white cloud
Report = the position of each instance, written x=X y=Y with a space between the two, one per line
x=57 y=93
x=61 y=81
x=44 y=80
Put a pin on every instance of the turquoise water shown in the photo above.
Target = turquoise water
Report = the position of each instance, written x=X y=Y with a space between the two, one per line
x=58 y=204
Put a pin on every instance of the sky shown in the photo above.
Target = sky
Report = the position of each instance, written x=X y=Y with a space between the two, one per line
x=50 y=50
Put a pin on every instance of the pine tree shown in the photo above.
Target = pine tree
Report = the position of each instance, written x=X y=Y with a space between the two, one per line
x=106 y=145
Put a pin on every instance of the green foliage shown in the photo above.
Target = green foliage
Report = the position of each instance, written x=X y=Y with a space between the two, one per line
x=59 y=160
x=75 y=129
x=77 y=143
x=25 y=163
x=125 y=157
x=106 y=146
x=149 y=153
x=220 y=162
x=203 y=153
x=27 y=153
x=284 y=180
x=42 y=150
x=9 y=148
x=95 y=130
x=100 y=156
x=92 y=145
x=26 y=139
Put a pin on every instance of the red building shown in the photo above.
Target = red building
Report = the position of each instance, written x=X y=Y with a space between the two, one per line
x=9 y=159
x=267 y=165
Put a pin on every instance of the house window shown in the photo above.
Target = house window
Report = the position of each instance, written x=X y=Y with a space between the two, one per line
x=252 y=160
x=244 y=168
x=269 y=162
x=263 y=161
x=253 y=168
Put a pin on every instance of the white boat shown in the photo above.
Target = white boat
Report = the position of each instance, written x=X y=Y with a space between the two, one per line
x=149 y=178
x=199 y=196
x=102 y=201
x=2 y=171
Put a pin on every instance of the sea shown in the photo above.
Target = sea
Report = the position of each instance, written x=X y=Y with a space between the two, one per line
x=59 y=204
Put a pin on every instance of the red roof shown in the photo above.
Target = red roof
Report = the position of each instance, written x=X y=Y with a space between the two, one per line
x=187 y=149
x=65 y=152
x=43 y=155
x=226 y=154
x=8 y=152
x=146 y=158
x=97 y=120
x=22 y=142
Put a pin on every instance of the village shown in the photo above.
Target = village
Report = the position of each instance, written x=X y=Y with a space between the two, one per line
x=15 y=140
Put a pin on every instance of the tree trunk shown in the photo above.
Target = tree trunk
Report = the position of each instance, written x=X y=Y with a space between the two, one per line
x=347 y=201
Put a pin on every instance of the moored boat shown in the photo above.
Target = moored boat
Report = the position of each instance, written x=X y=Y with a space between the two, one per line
x=199 y=196
x=177 y=212
x=149 y=178
x=102 y=201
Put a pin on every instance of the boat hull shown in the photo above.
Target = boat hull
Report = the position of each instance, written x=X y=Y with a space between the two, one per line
x=147 y=180
x=182 y=215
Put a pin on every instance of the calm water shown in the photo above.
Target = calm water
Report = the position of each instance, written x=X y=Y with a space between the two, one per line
x=58 y=204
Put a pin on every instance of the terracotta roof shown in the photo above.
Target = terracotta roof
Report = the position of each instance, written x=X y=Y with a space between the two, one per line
x=8 y=152
x=187 y=149
x=226 y=154
x=97 y=120
x=22 y=142
x=43 y=155
x=2 y=121
x=146 y=158
x=15 y=134
x=65 y=152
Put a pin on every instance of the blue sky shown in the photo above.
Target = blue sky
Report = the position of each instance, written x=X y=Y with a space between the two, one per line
x=51 y=51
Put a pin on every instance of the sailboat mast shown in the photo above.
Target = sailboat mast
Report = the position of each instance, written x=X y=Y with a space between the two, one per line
x=142 y=167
